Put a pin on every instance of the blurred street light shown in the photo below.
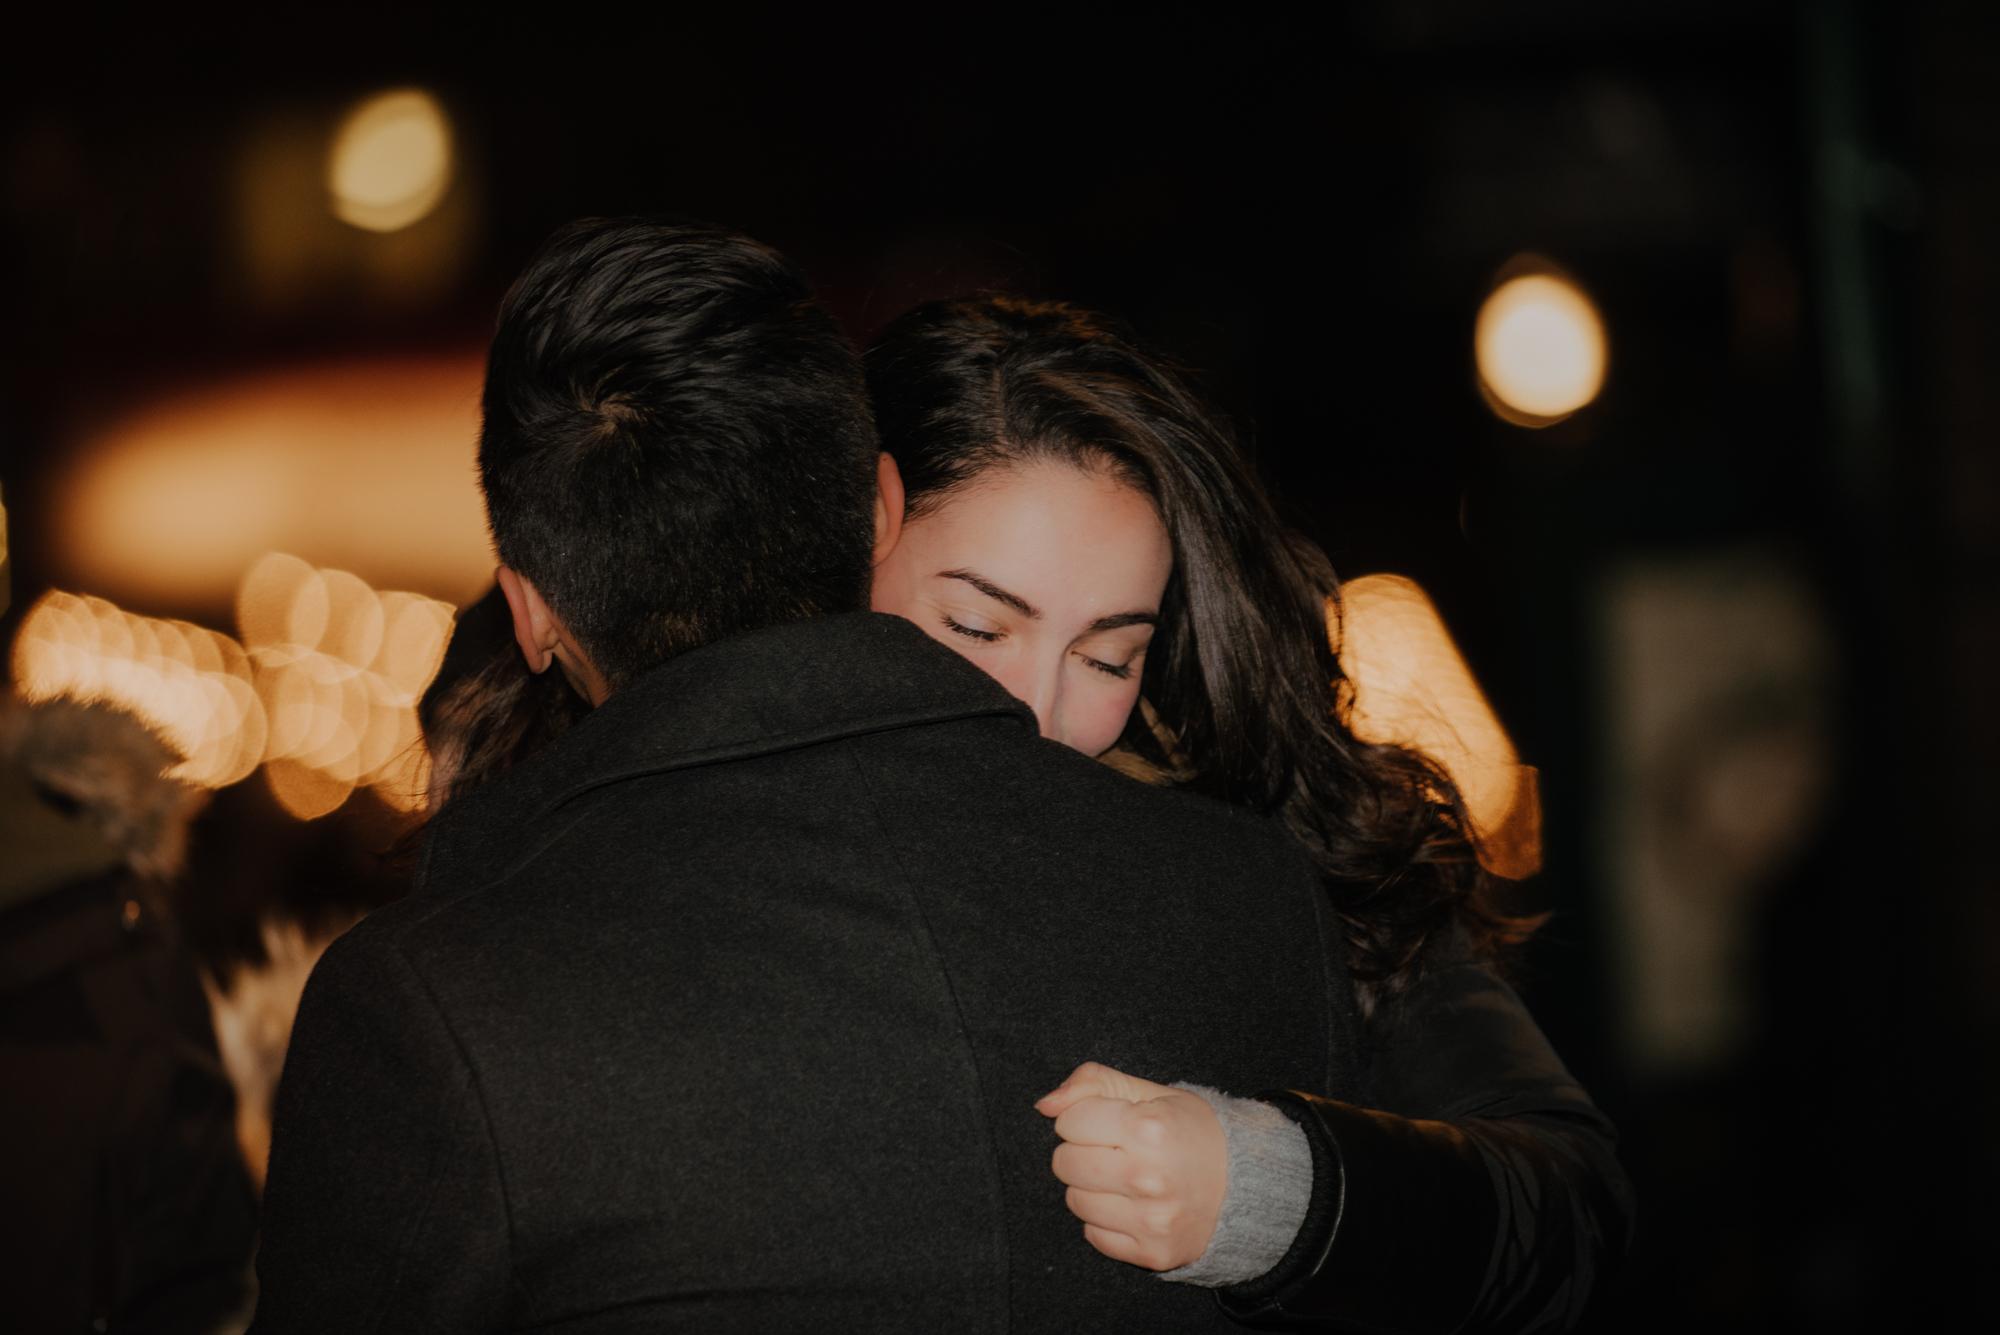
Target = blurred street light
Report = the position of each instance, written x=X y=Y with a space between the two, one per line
x=390 y=162
x=1540 y=348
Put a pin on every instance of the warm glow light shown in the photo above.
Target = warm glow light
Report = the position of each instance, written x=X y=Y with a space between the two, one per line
x=415 y=631
x=1540 y=348
x=250 y=742
x=6 y=582
x=304 y=791
x=339 y=669
x=178 y=677
x=368 y=466
x=354 y=619
x=325 y=697
x=1409 y=686
x=391 y=161
x=282 y=600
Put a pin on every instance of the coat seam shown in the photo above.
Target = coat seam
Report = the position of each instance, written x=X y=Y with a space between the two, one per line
x=922 y=924
x=472 y=1084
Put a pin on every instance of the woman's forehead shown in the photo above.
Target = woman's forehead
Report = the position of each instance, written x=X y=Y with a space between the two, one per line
x=1069 y=535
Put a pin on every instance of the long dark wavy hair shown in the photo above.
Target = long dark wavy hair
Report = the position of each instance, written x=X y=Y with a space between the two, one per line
x=1242 y=680
x=487 y=713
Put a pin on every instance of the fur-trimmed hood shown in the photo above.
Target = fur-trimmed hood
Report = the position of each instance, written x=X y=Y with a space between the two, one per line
x=83 y=790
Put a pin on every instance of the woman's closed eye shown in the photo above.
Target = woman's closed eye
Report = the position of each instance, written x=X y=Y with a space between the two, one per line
x=981 y=633
x=1122 y=671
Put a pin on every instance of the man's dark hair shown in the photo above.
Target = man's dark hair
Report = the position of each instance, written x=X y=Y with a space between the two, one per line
x=677 y=443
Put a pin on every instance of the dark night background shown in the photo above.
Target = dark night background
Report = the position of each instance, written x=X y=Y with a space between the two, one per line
x=1784 y=212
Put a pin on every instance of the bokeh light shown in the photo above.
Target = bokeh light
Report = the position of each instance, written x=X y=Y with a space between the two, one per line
x=1540 y=348
x=1407 y=685
x=322 y=692
x=339 y=670
x=282 y=600
x=304 y=791
x=390 y=162
x=190 y=684
x=414 y=632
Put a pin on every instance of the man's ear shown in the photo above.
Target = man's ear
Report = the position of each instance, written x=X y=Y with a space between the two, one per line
x=888 y=505
x=534 y=625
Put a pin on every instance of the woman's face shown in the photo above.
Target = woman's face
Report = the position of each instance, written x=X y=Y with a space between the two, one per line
x=1048 y=577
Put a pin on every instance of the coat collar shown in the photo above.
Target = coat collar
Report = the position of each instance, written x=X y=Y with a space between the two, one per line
x=771 y=690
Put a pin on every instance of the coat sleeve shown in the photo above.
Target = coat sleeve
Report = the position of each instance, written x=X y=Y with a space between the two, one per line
x=1484 y=1195
x=384 y=1207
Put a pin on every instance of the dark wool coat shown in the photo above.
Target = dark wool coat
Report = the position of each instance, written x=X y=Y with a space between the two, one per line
x=124 y=1202
x=728 y=1013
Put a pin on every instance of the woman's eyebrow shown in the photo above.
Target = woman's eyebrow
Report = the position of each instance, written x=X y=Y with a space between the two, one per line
x=1115 y=621
x=994 y=591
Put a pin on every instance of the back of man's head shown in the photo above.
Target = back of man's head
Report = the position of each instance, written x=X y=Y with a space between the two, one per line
x=677 y=444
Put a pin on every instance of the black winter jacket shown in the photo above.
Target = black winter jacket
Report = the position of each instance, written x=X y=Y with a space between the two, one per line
x=729 y=1012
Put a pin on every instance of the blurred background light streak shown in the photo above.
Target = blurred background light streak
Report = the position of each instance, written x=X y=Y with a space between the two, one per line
x=366 y=464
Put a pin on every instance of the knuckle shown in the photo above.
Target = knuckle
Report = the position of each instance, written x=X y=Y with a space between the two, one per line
x=1149 y=1184
x=1150 y=1129
x=1161 y=1218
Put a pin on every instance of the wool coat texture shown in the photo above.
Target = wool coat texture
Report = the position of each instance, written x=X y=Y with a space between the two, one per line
x=729 y=1011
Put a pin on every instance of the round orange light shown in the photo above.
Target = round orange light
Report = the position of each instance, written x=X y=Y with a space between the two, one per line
x=1540 y=348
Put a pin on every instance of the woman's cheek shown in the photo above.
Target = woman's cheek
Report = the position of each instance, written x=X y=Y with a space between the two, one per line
x=1108 y=718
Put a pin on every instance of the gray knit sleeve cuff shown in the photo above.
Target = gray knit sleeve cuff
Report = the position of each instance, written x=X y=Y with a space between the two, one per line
x=1270 y=1186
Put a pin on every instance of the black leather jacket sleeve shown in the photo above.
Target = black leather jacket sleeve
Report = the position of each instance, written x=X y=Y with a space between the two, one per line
x=1485 y=1194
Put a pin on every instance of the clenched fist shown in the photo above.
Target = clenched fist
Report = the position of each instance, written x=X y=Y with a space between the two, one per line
x=1146 y=1165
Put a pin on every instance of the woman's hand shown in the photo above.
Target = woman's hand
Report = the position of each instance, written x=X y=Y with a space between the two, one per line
x=1146 y=1165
